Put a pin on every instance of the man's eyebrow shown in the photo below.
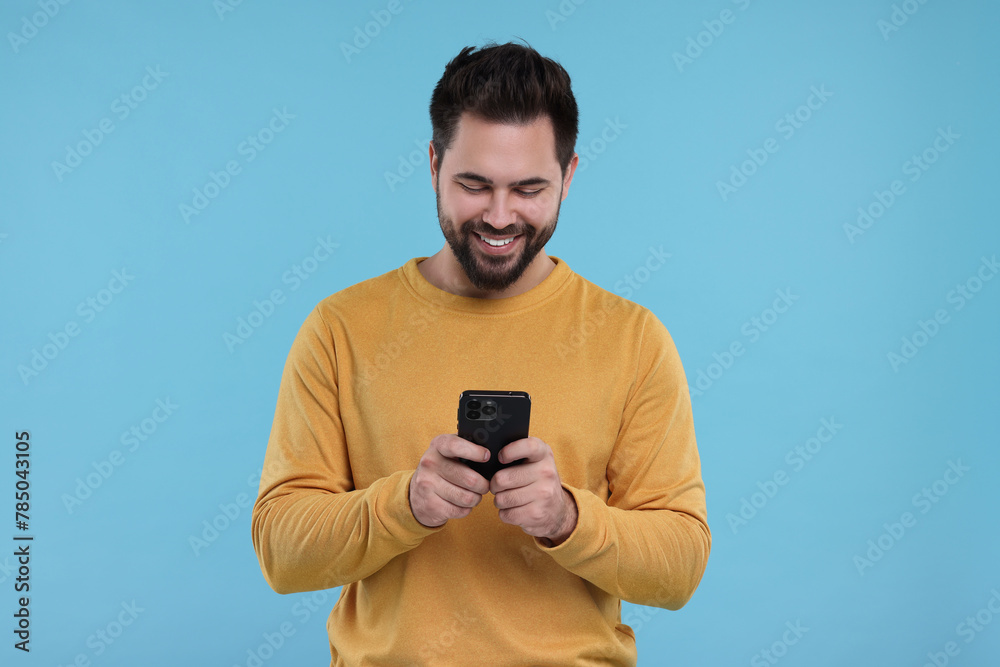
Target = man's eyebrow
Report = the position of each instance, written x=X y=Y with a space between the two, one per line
x=535 y=180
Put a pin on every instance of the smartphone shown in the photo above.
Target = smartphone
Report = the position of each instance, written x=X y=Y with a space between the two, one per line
x=493 y=419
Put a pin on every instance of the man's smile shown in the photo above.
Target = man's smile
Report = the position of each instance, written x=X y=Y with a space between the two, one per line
x=497 y=245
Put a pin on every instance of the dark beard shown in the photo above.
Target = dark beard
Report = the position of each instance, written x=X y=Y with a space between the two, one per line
x=490 y=272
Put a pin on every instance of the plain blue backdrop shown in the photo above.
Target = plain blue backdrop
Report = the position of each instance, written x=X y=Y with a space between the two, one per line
x=836 y=162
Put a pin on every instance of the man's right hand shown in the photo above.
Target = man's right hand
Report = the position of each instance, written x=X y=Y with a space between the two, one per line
x=442 y=487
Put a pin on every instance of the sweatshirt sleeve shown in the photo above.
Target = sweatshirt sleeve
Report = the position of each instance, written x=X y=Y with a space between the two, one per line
x=311 y=528
x=649 y=544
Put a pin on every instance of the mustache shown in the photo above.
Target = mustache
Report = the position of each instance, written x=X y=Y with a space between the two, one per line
x=472 y=228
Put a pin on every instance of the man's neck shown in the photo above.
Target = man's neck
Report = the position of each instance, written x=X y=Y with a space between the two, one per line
x=444 y=272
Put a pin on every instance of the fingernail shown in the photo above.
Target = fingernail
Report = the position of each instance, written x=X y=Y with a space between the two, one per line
x=486 y=455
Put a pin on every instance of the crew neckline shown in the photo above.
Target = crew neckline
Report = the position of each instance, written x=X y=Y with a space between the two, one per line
x=427 y=291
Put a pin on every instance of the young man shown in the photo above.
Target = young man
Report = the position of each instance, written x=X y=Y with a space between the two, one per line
x=363 y=486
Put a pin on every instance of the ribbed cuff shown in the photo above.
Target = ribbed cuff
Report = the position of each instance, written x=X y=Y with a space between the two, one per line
x=392 y=508
x=589 y=531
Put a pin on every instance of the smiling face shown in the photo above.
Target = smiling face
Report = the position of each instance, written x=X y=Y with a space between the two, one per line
x=501 y=182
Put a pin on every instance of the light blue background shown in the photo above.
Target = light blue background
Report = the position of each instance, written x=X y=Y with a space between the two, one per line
x=324 y=176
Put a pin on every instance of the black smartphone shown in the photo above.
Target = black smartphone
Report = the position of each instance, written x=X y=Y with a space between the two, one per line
x=493 y=419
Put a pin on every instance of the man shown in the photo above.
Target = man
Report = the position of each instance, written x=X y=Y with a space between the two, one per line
x=362 y=484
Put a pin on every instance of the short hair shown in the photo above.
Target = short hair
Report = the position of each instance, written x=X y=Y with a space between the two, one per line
x=505 y=83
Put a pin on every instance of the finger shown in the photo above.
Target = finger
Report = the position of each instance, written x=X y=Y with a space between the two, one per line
x=463 y=476
x=514 y=477
x=511 y=499
x=531 y=449
x=453 y=447
x=456 y=495
x=528 y=519
x=535 y=493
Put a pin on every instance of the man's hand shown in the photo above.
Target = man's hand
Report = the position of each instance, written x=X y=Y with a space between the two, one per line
x=530 y=494
x=444 y=488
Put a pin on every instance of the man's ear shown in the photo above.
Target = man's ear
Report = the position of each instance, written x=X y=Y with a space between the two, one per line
x=568 y=178
x=433 y=159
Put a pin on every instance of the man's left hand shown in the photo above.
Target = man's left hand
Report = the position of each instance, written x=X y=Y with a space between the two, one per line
x=530 y=494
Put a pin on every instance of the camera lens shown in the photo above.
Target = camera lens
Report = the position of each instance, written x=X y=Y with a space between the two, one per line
x=472 y=414
x=473 y=405
x=489 y=409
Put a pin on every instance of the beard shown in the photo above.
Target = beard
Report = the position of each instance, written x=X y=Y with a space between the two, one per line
x=494 y=273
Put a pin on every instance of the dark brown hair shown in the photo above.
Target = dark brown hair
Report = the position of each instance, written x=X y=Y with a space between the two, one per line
x=504 y=83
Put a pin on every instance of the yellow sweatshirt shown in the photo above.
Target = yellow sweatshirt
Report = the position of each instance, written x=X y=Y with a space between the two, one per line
x=374 y=374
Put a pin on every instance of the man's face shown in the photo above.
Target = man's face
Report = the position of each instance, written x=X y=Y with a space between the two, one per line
x=502 y=182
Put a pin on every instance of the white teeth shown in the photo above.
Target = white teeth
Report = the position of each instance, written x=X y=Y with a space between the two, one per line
x=497 y=244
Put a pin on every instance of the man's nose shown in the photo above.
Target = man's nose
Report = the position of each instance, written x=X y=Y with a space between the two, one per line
x=500 y=213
